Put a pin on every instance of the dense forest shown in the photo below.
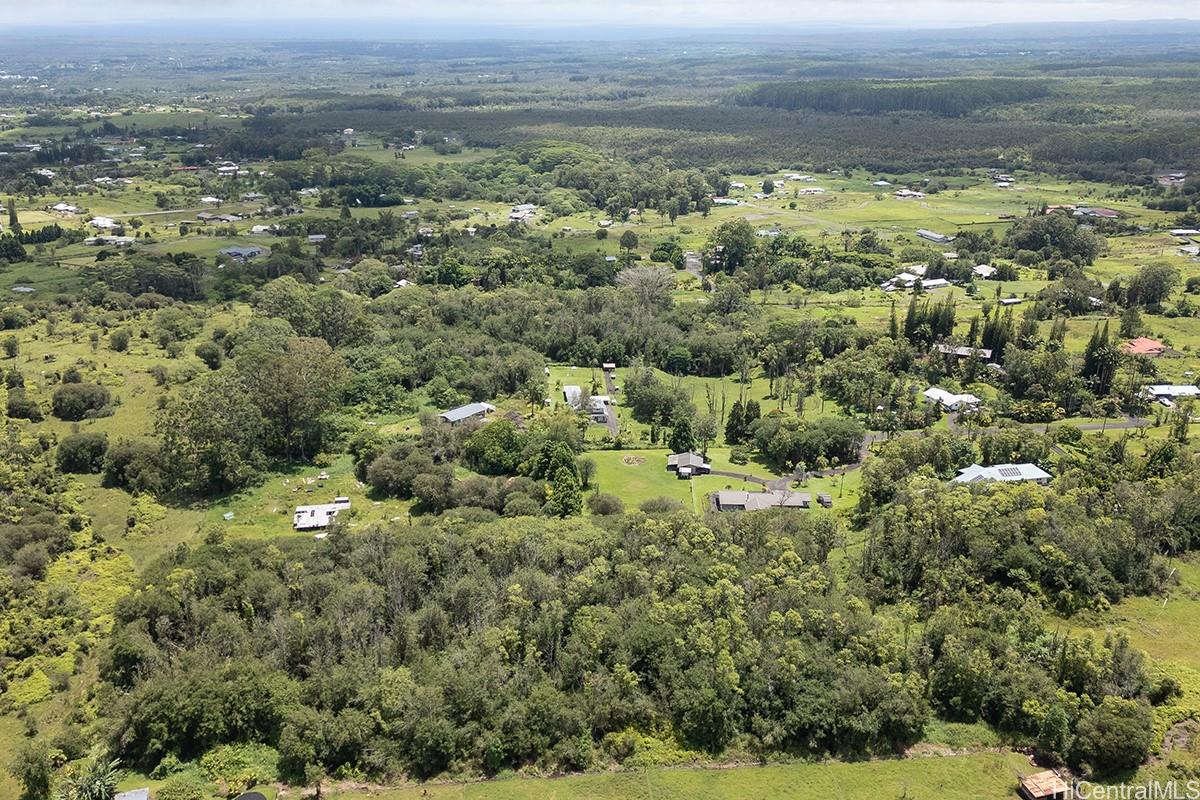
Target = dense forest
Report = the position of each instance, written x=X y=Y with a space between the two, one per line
x=945 y=98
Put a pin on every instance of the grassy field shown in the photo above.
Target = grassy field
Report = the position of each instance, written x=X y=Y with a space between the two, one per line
x=1165 y=626
x=983 y=776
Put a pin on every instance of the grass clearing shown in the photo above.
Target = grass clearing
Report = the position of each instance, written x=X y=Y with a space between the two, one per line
x=983 y=776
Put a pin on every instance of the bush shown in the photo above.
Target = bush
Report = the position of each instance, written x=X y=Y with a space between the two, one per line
x=605 y=505
x=119 y=340
x=1068 y=434
x=20 y=406
x=240 y=766
x=82 y=453
x=170 y=765
x=76 y=401
x=134 y=466
x=661 y=505
x=1115 y=735
x=185 y=786
x=210 y=353
x=520 y=504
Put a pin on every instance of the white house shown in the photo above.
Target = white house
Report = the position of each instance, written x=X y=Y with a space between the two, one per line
x=1009 y=473
x=104 y=223
x=984 y=271
x=114 y=241
x=1167 y=393
x=949 y=400
x=523 y=212
x=311 y=518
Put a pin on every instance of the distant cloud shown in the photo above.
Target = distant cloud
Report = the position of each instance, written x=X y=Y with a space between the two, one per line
x=620 y=12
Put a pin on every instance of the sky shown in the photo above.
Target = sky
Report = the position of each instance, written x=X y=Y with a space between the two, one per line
x=567 y=13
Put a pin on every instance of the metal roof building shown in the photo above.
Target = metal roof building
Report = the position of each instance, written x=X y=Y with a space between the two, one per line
x=456 y=415
x=1003 y=472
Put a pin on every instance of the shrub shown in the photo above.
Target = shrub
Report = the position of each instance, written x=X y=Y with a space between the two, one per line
x=605 y=504
x=520 y=504
x=82 y=452
x=240 y=766
x=661 y=505
x=1115 y=735
x=119 y=340
x=185 y=786
x=210 y=353
x=20 y=406
x=76 y=401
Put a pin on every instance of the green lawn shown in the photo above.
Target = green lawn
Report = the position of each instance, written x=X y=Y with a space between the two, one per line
x=1166 y=626
x=983 y=776
x=265 y=510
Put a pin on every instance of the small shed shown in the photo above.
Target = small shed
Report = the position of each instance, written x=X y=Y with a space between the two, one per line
x=1046 y=785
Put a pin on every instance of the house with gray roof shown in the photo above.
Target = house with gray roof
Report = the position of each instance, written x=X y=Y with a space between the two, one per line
x=733 y=500
x=469 y=411
x=685 y=465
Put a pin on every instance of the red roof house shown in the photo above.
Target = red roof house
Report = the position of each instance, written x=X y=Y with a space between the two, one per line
x=1142 y=346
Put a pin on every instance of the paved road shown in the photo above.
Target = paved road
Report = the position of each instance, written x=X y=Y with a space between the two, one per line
x=1124 y=423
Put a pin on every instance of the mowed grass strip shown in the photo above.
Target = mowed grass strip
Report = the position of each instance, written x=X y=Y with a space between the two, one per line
x=980 y=776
